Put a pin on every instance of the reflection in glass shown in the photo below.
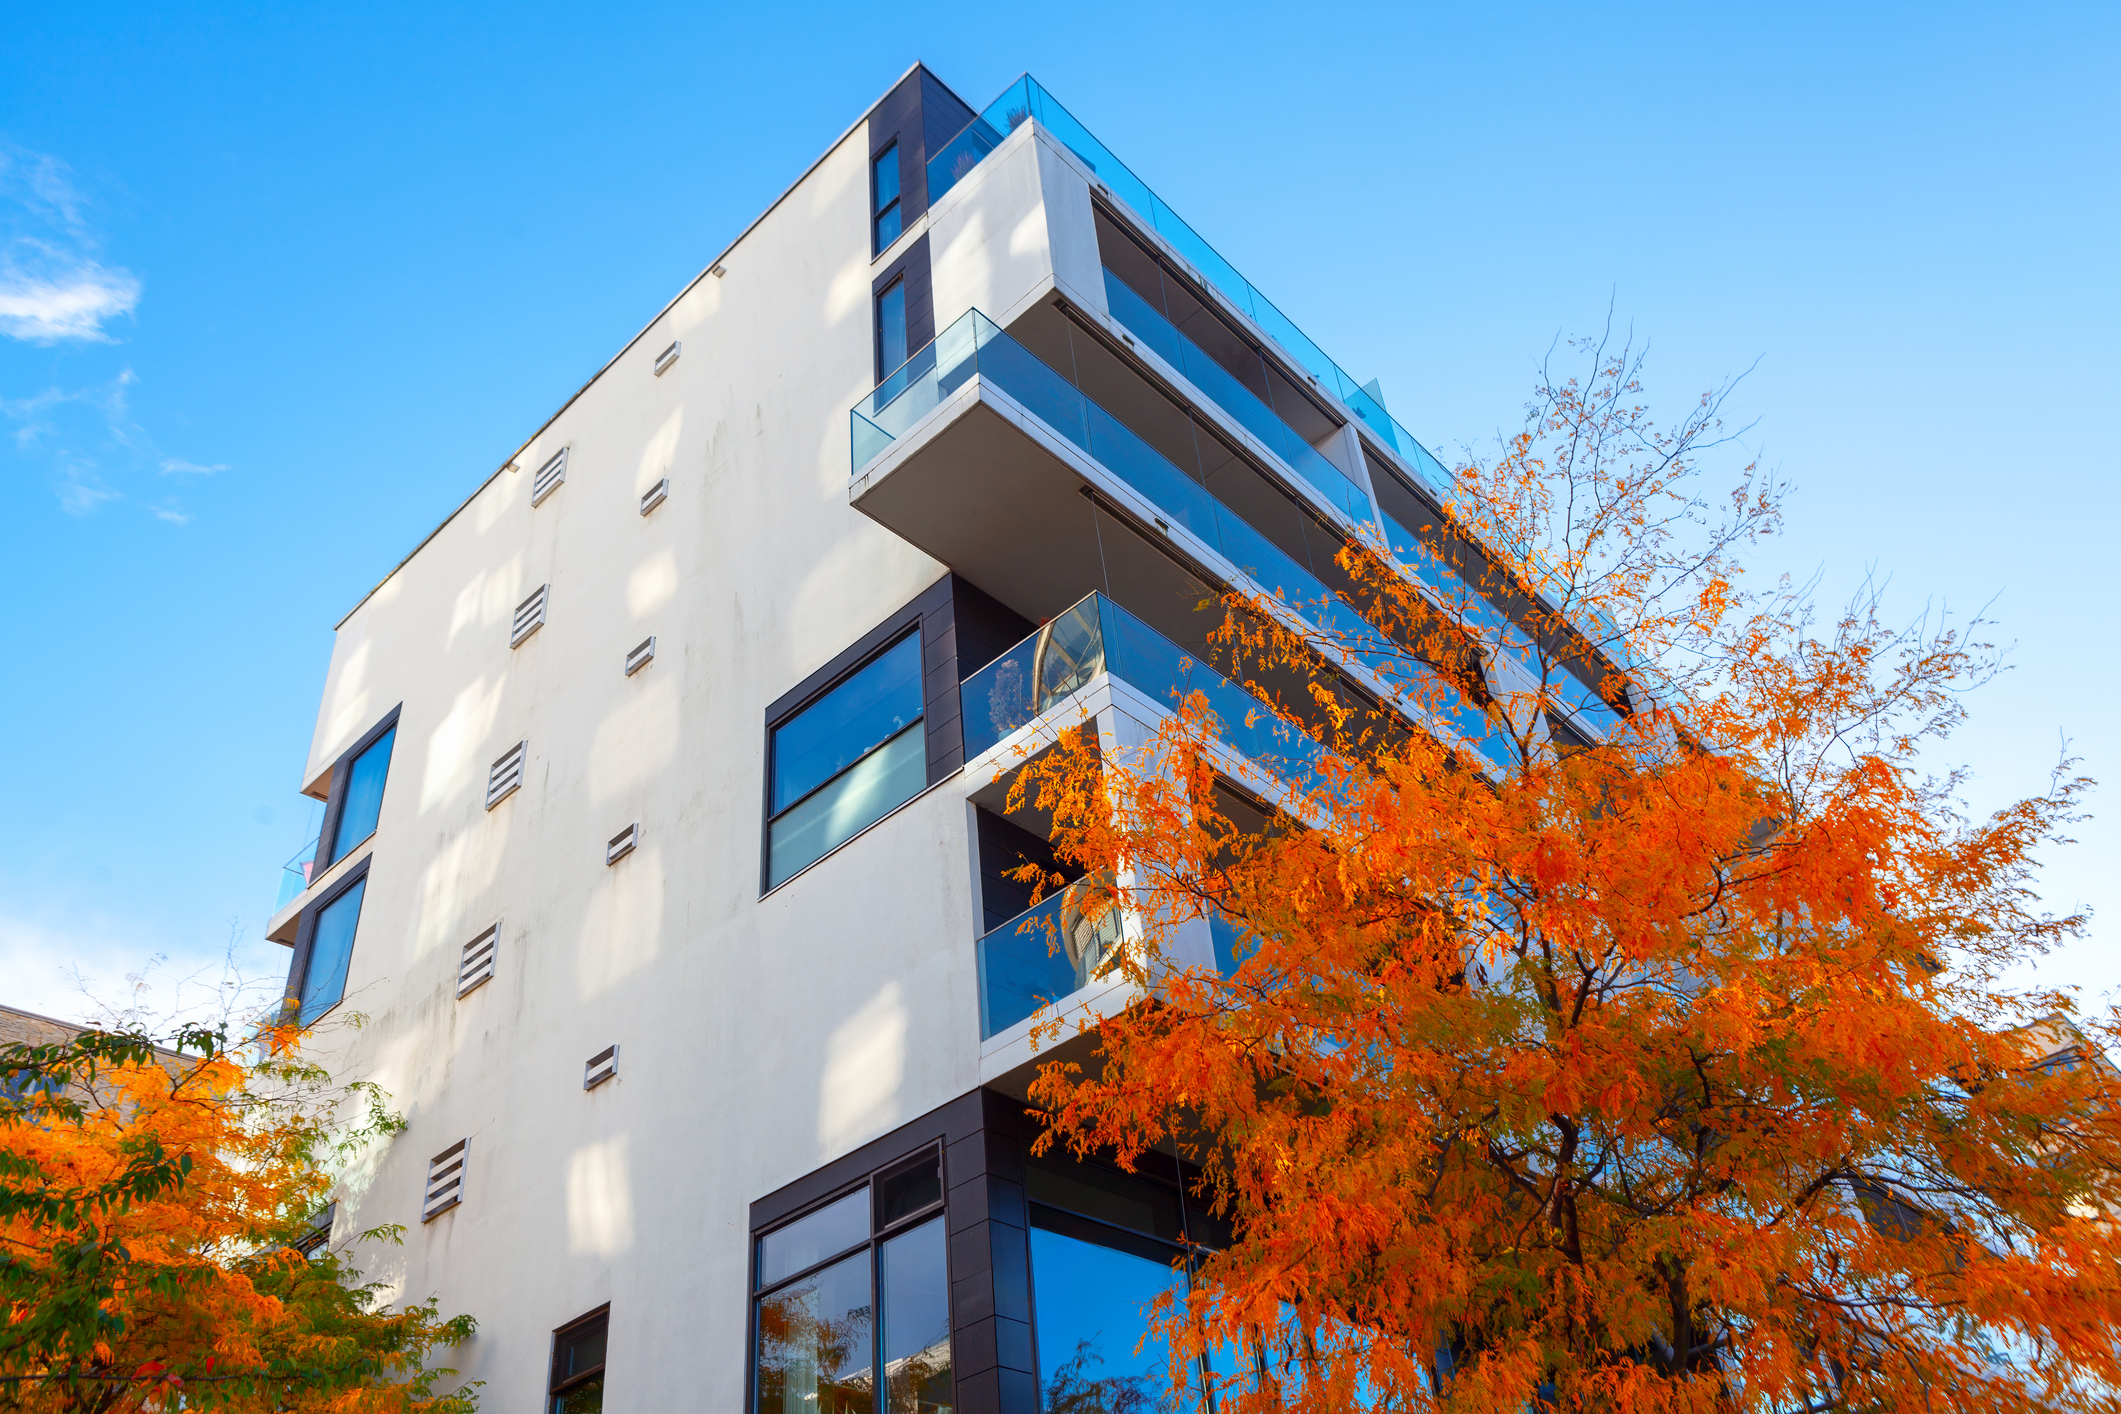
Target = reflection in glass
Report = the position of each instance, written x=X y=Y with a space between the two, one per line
x=890 y=217
x=331 y=943
x=878 y=784
x=827 y=736
x=810 y=1240
x=584 y=1398
x=815 y=1344
x=891 y=324
x=364 y=796
x=916 y=1282
x=1092 y=1305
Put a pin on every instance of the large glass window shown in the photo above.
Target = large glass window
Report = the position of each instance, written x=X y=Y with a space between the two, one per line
x=1093 y=1302
x=846 y=760
x=857 y=1289
x=891 y=328
x=890 y=217
x=364 y=797
x=577 y=1385
x=331 y=943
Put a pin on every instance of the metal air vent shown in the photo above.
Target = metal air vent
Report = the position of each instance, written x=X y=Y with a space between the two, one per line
x=530 y=616
x=602 y=1066
x=445 y=1181
x=549 y=477
x=638 y=658
x=506 y=775
x=667 y=357
x=621 y=844
x=655 y=495
x=476 y=968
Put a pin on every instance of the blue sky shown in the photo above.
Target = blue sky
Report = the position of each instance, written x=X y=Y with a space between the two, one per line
x=279 y=286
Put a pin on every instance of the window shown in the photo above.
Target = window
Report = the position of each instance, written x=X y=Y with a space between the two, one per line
x=858 y=1286
x=1102 y=1252
x=577 y=1385
x=363 y=801
x=891 y=328
x=331 y=940
x=846 y=760
x=890 y=220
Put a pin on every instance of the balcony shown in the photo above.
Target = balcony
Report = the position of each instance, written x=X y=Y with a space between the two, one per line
x=979 y=452
x=1053 y=949
x=1024 y=101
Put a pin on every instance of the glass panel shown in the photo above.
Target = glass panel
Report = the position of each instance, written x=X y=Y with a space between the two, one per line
x=833 y=732
x=586 y=1398
x=816 y=1344
x=880 y=782
x=1041 y=956
x=886 y=177
x=295 y=874
x=364 y=796
x=916 y=1280
x=580 y=1352
x=1092 y=1304
x=906 y=1192
x=890 y=313
x=888 y=226
x=810 y=1240
x=330 y=949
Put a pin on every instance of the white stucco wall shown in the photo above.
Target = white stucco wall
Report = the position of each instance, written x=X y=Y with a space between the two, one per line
x=760 y=1038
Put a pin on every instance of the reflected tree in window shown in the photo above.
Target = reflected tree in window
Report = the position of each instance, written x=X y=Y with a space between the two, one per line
x=815 y=1344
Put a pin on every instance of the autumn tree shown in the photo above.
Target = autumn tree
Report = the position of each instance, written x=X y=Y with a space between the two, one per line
x=151 y=1205
x=1623 y=1015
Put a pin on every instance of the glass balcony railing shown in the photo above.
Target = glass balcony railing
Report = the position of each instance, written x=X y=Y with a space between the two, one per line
x=1202 y=370
x=295 y=875
x=1025 y=100
x=975 y=346
x=1096 y=636
x=1042 y=955
x=1497 y=632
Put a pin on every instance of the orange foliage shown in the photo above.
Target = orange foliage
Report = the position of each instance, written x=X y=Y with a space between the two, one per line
x=1658 y=1057
x=151 y=1201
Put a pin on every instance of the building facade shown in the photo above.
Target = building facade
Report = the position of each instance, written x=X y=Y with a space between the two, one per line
x=663 y=852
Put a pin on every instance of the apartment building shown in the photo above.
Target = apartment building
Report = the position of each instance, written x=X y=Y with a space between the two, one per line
x=663 y=850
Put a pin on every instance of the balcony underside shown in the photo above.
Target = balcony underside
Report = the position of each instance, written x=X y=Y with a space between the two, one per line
x=979 y=485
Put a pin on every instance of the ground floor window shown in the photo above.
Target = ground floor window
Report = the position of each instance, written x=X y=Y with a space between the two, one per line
x=577 y=1383
x=853 y=1308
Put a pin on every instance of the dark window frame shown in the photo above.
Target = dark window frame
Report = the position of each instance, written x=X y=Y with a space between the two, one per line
x=878 y=211
x=876 y=318
x=950 y=613
x=341 y=774
x=555 y=1384
x=306 y=936
x=845 y=1183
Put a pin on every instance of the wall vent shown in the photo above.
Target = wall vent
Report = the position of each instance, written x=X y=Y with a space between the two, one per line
x=445 y=1181
x=476 y=968
x=638 y=658
x=602 y=1066
x=655 y=495
x=718 y=270
x=667 y=357
x=530 y=616
x=621 y=844
x=549 y=477
x=506 y=775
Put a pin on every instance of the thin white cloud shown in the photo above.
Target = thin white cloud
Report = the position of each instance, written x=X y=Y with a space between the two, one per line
x=53 y=289
x=177 y=466
x=169 y=517
x=70 y=304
